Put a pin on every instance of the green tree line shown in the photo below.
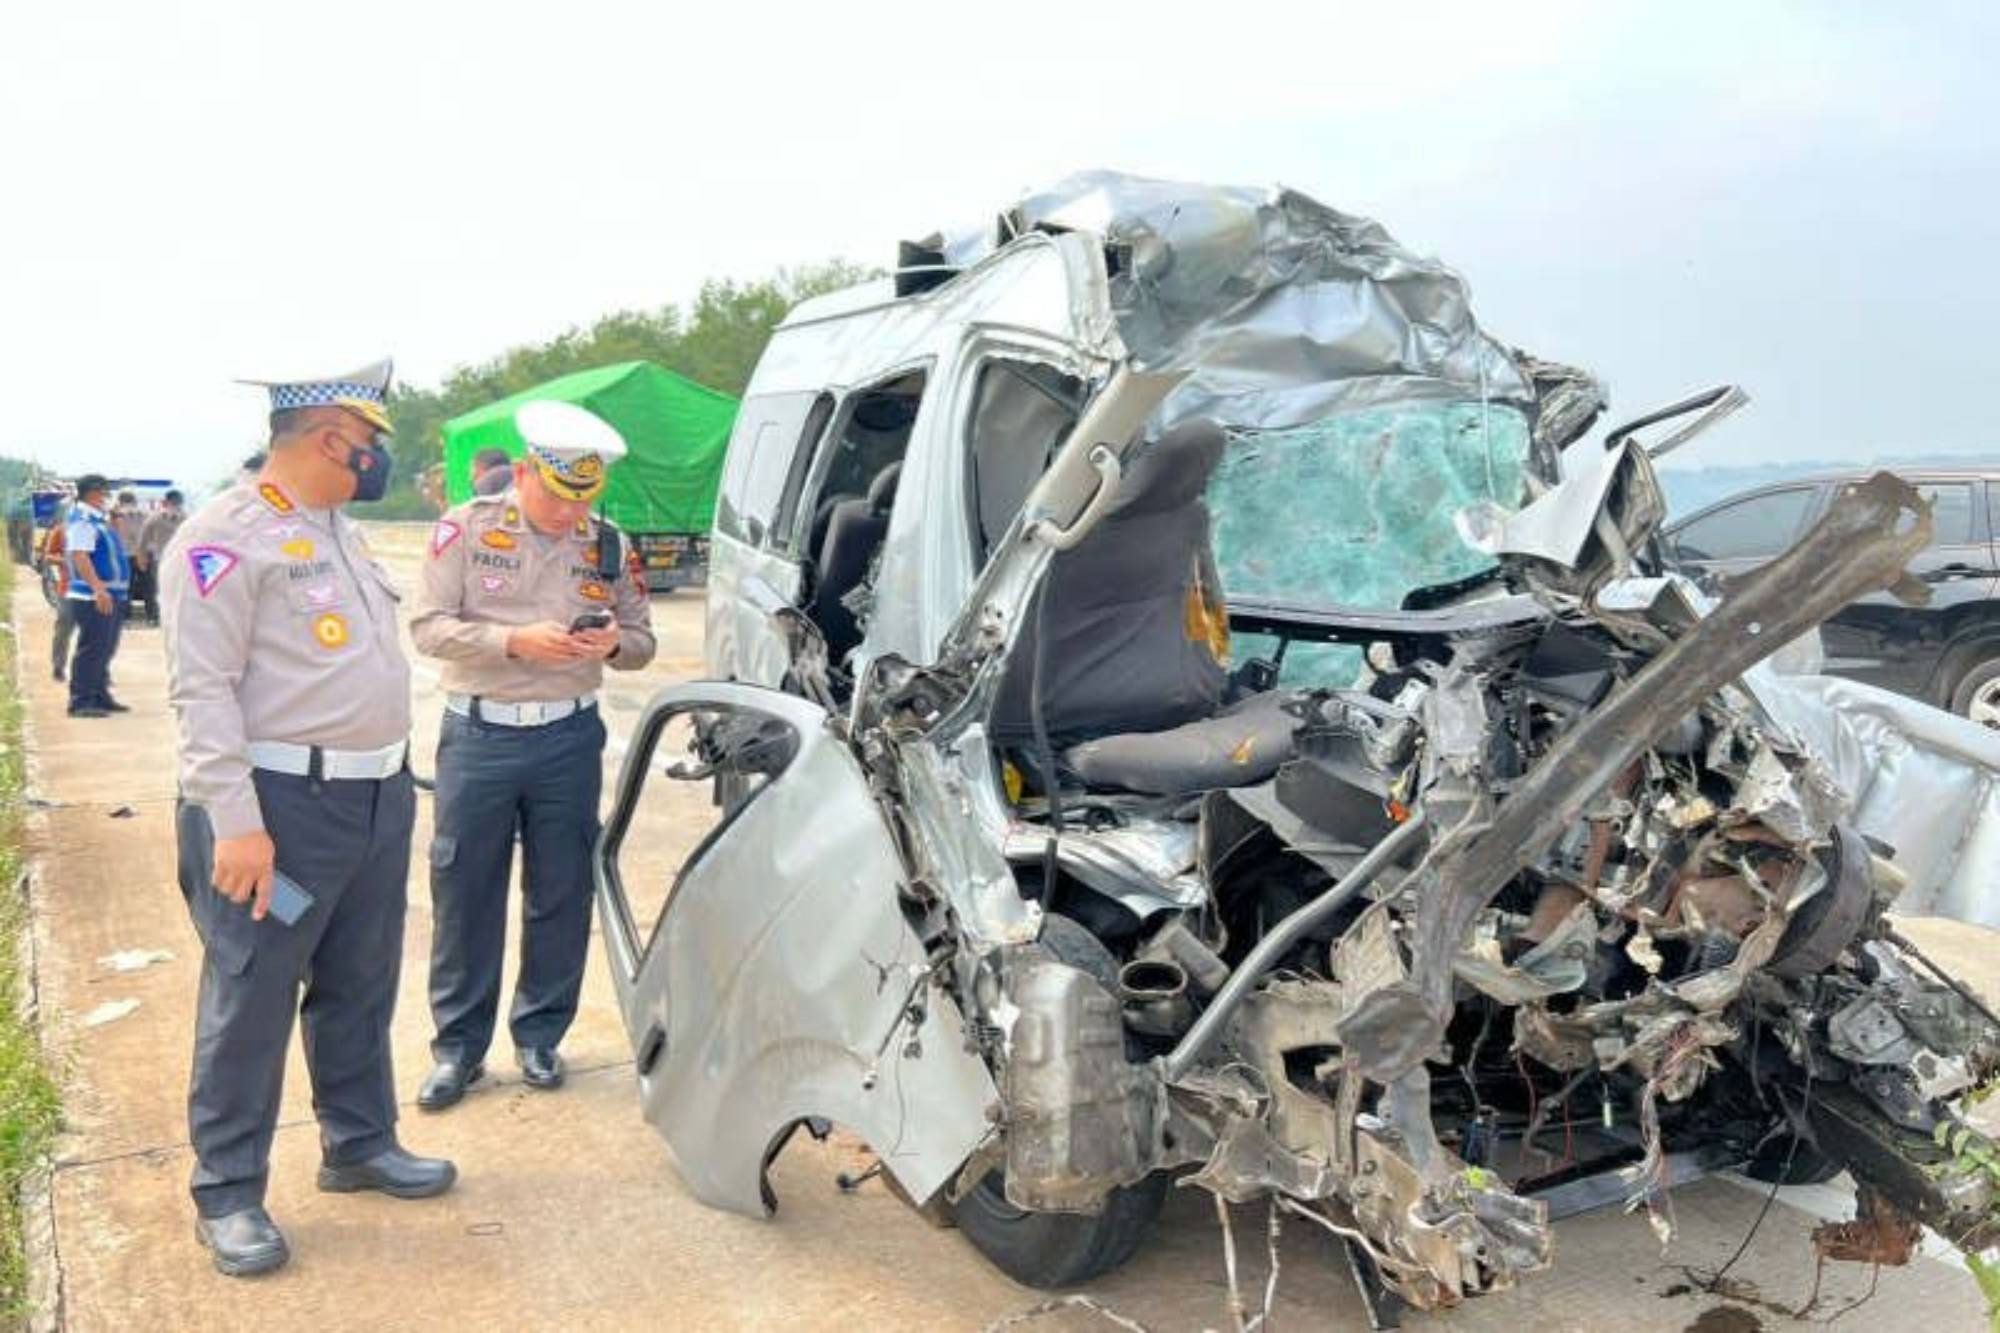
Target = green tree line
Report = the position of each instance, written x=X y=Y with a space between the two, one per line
x=715 y=341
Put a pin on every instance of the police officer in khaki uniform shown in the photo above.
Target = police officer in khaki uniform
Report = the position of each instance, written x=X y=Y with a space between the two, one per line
x=525 y=597
x=293 y=699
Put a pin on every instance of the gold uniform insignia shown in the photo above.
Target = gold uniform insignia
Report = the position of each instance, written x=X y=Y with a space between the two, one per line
x=498 y=540
x=278 y=501
x=300 y=549
x=330 y=630
x=596 y=592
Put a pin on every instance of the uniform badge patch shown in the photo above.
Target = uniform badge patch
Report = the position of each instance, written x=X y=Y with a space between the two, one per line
x=494 y=584
x=278 y=501
x=319 y=596
x=298 y=549
x=498 y=540
x=596 y=592
x=443 y=535
x=330 y=629
x=210 y=565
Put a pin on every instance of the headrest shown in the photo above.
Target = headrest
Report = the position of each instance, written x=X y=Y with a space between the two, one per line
x=1173 y=470
x=882 y=490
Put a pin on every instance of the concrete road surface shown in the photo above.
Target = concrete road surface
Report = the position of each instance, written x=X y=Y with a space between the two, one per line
x=570 y=1214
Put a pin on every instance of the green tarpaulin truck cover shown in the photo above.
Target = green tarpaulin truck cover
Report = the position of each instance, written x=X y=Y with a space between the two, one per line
x=676 y=432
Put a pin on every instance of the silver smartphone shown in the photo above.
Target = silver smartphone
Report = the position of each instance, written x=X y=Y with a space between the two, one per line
x=289 y=901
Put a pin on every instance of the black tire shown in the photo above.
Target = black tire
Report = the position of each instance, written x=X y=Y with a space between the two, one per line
x=1062 y=1249
x=1059 y=1249
x=1980 y=679
x=1788 y=1160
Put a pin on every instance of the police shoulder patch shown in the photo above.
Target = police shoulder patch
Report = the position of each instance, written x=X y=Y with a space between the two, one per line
x=210 y=565
x=443 y=535
x=279 y=502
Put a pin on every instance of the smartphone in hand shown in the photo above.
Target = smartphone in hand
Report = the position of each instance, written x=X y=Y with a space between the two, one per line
x=590 y=620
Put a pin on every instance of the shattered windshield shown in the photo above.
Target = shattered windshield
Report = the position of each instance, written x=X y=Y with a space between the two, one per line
x=1358 y=510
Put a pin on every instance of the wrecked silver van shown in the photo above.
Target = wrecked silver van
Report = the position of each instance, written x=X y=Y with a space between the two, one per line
x=1187 y=708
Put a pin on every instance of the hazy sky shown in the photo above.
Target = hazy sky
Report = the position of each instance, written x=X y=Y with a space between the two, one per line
x=1801 y=198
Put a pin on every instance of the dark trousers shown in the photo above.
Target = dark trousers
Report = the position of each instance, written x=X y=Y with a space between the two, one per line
x=491 y=780
x=96 y=640
x=347 y=843
x=64 y=637
x=145 y=588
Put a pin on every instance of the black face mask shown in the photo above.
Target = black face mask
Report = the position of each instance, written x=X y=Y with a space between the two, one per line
x=371 y=465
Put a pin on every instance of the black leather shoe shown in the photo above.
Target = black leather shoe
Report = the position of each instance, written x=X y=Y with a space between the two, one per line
x=243 y=1244
x=447 y=1084
x=395 y=1172
x=113 y=706
x=541 y=1067
x=88 y=712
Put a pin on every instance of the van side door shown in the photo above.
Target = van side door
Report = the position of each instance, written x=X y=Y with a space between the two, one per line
x=753 y=563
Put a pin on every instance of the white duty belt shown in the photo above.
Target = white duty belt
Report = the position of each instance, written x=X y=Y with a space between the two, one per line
x=333 y=765
x=534 y=713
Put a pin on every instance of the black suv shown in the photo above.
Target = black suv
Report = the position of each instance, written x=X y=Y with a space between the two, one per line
x=1946 y=653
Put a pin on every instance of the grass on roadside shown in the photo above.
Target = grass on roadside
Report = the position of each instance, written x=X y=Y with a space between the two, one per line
x=29 y=1105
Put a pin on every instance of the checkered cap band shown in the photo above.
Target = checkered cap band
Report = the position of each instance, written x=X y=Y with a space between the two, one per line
x=285 y=397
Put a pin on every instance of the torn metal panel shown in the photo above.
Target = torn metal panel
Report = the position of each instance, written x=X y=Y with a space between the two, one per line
x=1284 y=310
x=1862 y=545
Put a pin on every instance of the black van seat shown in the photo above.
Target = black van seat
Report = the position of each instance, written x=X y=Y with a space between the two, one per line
x=1241 y=745
x=854 y=532
x=1114 y=630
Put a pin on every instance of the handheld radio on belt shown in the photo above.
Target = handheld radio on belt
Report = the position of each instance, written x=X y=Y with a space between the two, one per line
x=610 y=552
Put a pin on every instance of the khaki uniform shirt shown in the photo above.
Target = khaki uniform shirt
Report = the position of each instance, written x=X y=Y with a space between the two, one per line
x=280 y=627
x=159 y=530
x=489 y=570
x=129 y=522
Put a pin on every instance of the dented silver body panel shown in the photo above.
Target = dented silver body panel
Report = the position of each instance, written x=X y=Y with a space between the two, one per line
x=1924 y=781
x=785 y=984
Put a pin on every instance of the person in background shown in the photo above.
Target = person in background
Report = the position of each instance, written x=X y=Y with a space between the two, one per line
x=158 y=530
x=492 y=472
x=286 y=674
x=128 y=518
x=54 y=569
x=526 y=598
x=100 y=580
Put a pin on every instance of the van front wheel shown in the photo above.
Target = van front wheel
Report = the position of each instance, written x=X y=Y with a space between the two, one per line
x=1058 y=1249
